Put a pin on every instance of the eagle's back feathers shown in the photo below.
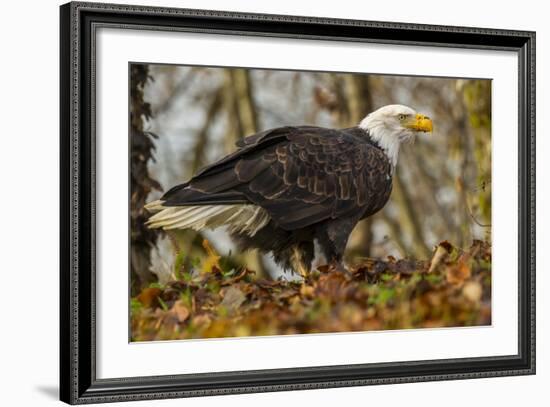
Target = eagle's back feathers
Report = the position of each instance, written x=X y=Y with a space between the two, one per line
x=299 y=175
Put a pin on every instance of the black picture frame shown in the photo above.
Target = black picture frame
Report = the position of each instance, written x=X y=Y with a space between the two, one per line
x=78 y=382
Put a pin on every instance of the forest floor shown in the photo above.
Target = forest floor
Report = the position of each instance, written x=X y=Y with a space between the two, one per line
x=453 y=288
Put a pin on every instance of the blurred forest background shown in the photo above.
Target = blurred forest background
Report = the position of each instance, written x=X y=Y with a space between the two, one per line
x=184 y=117
x=423 y=261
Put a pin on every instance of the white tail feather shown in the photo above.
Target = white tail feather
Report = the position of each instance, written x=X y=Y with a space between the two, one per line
x=247 y=219
x=154 y=206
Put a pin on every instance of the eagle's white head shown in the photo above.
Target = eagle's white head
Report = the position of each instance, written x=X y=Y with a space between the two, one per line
x=391 y=125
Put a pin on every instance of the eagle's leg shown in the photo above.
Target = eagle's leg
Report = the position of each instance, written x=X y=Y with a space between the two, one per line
x=333 y=239
x=301 y=257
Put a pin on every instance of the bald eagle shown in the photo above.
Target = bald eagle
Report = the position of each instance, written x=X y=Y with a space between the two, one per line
x=285 y=188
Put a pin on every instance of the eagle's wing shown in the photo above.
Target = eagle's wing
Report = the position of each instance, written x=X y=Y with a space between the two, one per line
x=299 y=175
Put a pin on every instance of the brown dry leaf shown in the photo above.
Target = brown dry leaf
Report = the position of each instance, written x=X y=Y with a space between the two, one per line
x=180 y=310
x=332 y=285
x=149 y=297
x=324 y=268
x=460 y=272
x=406 y=267
x=242 y=274
x=267 y=284
x=202 y=321
x=480 y=250
x=232 y=298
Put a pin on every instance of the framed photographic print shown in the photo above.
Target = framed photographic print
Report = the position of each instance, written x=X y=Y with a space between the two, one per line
x=256 y=203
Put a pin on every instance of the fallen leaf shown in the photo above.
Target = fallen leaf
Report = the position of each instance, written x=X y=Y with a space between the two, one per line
x=180 y=310
x=232 y=298
x=459 y=272
x=332 y=285
x=232 y=280
x=149 y=297
x=202 y=321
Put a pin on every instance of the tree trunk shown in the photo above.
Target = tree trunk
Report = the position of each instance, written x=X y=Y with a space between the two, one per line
x=242 y=121
x=359 y=104
x=409 y=218
x=477 y=102
x=141 y=184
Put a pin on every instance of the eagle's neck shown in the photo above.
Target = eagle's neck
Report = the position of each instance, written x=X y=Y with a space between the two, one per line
x=384 y=138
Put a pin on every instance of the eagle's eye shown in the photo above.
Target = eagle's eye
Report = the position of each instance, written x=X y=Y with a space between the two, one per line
x=402 y=116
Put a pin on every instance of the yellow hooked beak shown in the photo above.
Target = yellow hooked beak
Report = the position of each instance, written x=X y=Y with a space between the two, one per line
x=420 y=123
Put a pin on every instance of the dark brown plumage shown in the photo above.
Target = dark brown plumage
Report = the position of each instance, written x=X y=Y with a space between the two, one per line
x=315 y=183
